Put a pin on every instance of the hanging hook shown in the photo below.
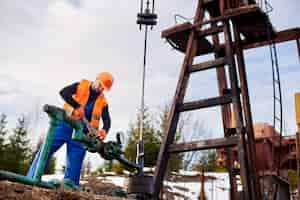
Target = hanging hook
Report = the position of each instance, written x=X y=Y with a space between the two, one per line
x=146 y=16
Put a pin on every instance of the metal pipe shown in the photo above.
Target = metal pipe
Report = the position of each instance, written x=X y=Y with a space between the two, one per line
x=45 y=150
x=297 y=110
x=153 y=6
x=298 y=157
x=142 y=6
x=43 y=158
x=237 y=109
x=128 y=163
x=5 y=175
x=226 y=116
x=280 y=108
x=247 y=113
x=298 y=47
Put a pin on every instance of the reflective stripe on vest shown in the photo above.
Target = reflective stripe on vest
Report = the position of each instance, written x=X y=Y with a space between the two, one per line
x=82 y=95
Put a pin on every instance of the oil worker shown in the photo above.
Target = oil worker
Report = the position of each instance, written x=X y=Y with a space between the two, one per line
x=82 y=99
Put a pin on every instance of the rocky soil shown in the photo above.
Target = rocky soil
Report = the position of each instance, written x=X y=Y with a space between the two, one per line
x=16 y=191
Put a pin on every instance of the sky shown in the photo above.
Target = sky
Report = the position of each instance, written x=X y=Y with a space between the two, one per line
x=48 y=44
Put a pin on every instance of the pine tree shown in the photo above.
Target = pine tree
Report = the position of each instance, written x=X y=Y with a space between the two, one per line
x=3 y=146
x=150 y=137
x=207 y=162
x=3 y=130
x=18 y=150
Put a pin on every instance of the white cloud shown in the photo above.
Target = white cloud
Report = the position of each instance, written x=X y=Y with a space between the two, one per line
x=8 y=86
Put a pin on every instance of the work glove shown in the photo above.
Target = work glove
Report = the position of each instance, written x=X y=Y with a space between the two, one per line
x=78 y=113
x=101 y=134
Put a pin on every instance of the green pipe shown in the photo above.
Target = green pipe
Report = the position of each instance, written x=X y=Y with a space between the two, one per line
x=5 y=175
x=92 y=144
x=56 y=115
x=41 y=165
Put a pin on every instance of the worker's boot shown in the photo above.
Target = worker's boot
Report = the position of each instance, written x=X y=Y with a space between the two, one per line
x=70 y=185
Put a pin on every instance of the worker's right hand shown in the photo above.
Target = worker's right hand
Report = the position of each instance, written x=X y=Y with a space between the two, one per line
x=78 y=113
x=101 y=134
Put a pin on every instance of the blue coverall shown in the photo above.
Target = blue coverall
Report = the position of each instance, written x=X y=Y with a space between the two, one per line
x=75 y=150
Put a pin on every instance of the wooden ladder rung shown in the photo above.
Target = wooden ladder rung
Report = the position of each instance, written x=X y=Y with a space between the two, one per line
x=207 y=1
x=208 y=65
x=204 y=144
x=209 y=31
x=205 y=103
x=231 y=13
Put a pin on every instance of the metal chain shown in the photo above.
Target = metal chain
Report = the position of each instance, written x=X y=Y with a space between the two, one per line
x=276 y=82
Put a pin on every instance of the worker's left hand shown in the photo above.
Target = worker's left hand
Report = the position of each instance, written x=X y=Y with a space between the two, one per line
x=78 y=113
x=101 y=134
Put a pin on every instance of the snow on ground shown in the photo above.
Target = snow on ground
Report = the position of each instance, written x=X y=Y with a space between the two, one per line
x=52 y=177
x=217 y=189
x=116 y=180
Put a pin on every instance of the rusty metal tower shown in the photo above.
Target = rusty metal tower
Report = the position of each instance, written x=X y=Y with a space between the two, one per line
x=234 y=26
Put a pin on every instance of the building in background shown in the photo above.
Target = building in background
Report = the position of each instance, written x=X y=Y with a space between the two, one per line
x=269 y=150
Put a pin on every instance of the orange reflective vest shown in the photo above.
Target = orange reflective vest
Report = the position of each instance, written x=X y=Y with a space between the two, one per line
x=82 y=95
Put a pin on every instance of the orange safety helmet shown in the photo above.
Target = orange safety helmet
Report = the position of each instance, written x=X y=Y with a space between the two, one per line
x=105 y=79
